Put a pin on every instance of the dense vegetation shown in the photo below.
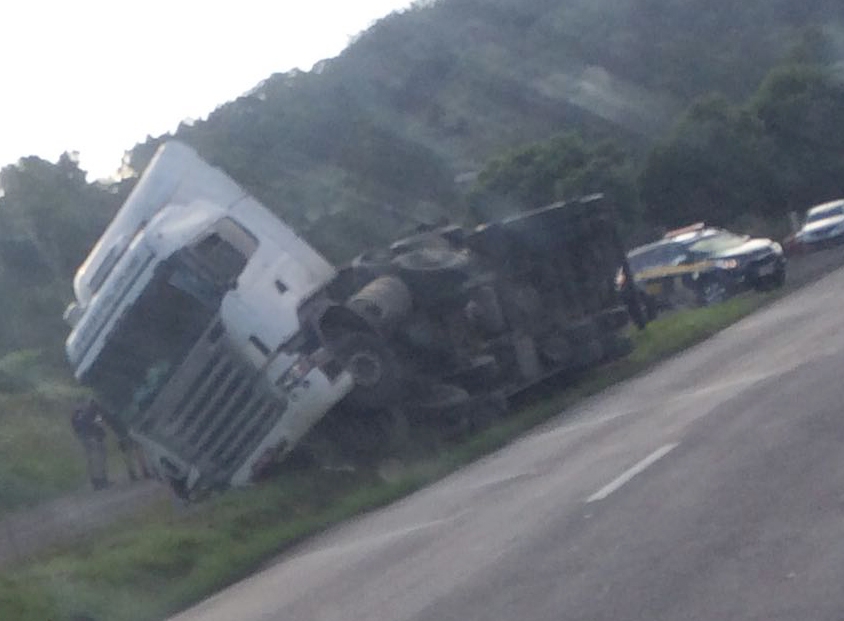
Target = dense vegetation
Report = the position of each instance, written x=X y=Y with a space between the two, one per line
x=469 y=109
x=774 y=154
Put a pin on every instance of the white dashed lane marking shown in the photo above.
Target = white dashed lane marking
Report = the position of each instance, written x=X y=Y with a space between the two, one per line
x=627 y=475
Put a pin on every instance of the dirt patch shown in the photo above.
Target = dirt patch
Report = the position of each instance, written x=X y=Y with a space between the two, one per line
x=28 y=532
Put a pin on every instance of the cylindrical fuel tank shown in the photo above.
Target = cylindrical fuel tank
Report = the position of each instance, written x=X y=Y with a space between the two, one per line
x=383 y=303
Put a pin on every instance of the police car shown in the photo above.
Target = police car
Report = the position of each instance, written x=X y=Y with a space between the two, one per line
x=824 y=226
x=700 y=265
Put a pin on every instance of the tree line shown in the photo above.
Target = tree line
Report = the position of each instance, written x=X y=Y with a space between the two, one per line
x=777 y=152
x=365 y=146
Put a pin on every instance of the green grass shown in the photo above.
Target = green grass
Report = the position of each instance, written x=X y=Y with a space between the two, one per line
x=39 y=456
x=162 y=561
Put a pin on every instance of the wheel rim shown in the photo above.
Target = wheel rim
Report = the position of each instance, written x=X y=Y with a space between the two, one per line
x=714 y=293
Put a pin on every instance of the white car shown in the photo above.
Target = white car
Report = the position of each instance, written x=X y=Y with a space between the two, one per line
x=824 y=225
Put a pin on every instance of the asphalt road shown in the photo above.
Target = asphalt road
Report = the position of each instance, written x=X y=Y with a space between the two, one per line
x=711 y=488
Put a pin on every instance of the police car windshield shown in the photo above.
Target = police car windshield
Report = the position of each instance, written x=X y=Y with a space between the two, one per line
x=823 y=214
x=660 y=255
x=717 y=244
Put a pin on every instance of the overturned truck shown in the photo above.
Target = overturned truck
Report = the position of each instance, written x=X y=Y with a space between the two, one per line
x=225 y=341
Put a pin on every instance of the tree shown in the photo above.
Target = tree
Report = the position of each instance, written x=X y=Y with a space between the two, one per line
x=562 y=168
x=780 y=152
x=49 y=219
x=801 y=107
x=716 y=165
x=51 y=207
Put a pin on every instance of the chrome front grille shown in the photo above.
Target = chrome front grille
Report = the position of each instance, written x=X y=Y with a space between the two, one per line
x=214 y=410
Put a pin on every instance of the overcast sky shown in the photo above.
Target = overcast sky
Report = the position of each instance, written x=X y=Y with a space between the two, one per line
x=98 y=76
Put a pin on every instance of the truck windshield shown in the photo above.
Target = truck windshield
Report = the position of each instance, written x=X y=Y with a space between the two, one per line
x=153 y=336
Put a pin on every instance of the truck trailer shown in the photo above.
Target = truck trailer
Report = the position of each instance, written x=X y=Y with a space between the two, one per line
x=224 y=340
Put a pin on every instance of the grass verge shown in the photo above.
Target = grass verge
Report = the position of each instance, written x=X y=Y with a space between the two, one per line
x=169 y=557
x=39 y=456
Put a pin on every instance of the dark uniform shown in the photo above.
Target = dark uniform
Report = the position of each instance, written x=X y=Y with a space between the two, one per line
x=132 y=456
x=86 y=423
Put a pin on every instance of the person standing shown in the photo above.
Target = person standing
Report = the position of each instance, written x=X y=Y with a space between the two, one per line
x=132 y=455
x=87 y=425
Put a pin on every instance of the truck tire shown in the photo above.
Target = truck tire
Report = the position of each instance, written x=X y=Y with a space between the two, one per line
x=433 y=274
x=441 y=399
x=556 y=351
x=588 y=354
x=432 y=260
x=373 y=366
x=372 y=264
x=443 y=408
x=480 y=374
x=613 y=319
x=582 y=331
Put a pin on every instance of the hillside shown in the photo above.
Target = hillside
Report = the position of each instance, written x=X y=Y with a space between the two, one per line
x=430 y=94
x=392 y=132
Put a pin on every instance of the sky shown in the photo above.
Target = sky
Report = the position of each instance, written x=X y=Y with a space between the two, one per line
x=98 y=76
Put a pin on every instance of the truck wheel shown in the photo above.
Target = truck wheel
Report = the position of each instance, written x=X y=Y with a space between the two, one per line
x=479 y=375
x=556 y=350
x=373 y=367
x=433 y=274
x=443 y=408
x=442 y=398
x=582 y=331
x=432 y=260
x=613 y=318
x=373 y=263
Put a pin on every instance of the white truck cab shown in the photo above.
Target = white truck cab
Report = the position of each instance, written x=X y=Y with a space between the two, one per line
x=188 y=324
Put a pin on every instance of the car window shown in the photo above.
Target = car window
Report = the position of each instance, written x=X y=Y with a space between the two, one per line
x=645 y=259
x=814 y=216
x=658 y=256
x=642 y=260
x=716 y=244
x=674 y=255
